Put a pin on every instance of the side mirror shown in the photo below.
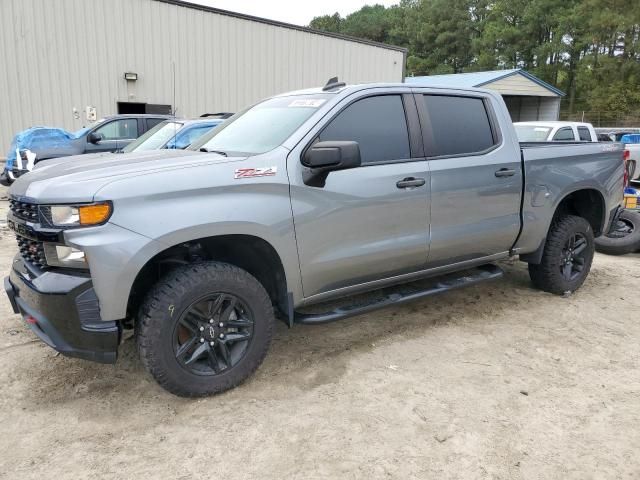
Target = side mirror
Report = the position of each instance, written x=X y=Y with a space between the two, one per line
x=325 y=157
x=94 y=138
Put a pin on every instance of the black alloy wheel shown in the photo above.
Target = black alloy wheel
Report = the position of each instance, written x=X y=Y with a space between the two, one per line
x=573 y=257
x=213 y=334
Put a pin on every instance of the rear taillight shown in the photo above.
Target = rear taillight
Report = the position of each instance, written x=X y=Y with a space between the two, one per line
x=625 y=160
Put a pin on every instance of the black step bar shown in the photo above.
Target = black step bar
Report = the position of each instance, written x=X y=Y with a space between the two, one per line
x=406 y=294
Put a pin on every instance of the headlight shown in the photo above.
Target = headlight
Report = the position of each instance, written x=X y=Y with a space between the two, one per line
x=64 y=256
x=79 y=215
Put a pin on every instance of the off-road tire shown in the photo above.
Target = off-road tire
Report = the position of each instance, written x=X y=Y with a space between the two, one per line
x=616 y=243
x=547 y=275
x=172 y=295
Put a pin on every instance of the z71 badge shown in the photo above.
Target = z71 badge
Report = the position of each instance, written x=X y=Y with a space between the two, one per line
x=255 y=172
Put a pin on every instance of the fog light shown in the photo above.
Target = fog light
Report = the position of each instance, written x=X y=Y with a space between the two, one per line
x=64 y=256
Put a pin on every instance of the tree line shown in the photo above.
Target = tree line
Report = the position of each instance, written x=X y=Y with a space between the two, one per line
x=588 y=48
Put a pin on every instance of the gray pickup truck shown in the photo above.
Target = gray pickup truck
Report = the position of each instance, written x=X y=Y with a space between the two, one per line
x=299 y=200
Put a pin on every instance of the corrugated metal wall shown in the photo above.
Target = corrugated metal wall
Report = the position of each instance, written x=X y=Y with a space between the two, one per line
x=64 y=54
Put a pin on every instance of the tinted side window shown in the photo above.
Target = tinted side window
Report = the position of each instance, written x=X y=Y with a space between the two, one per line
x=459 y=124
x=379 y=126
x=565 y=133
x=585 y=134
x=124 y=129
x=152 y=122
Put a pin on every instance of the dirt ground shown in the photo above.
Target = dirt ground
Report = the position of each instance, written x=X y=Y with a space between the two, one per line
x=494 y=381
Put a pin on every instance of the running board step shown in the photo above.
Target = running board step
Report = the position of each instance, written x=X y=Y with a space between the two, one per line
x=402 y=294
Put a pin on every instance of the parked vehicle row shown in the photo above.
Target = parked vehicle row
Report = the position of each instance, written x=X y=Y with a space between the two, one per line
x=169 y=134
x=42 y=143
x=41 y=146
x=303 y=198
x=614 y=134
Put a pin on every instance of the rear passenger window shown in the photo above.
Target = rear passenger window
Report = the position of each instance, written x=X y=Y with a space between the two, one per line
x=564 y=134
x=152 y=122
x=585 y=134
x=379 y=126
x=460 y=125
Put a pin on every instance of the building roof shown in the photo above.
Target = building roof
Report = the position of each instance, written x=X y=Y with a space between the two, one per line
x=479 y=79
x=219 y=11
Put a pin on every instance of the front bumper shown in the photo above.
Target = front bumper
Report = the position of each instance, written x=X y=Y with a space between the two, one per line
x=63 y=311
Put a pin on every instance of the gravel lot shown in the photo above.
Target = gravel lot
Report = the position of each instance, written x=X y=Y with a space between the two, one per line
x=494 y=381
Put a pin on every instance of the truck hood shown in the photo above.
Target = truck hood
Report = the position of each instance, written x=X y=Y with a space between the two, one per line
x=84 y=158
x=77 y=179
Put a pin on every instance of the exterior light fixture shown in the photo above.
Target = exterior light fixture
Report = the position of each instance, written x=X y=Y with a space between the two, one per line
x=131 y=76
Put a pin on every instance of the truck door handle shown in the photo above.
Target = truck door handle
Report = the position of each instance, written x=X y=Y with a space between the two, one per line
x=410 y=182
x=505 y=172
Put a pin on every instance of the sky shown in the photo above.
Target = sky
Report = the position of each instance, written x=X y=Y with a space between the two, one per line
x=298 y=12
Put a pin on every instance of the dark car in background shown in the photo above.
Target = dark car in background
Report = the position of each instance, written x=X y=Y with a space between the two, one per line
x=109 y=134
x=172 y=134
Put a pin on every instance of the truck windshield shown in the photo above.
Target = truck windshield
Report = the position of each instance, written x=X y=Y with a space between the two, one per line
x=532 y=133
x=262 y=127
x=155 y=138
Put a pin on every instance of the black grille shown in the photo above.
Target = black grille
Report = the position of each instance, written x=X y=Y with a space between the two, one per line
x=32 y=251
x=24 y=210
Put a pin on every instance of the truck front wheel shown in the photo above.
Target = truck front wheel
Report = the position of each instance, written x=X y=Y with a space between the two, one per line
x=567 y=256
x=204 y=328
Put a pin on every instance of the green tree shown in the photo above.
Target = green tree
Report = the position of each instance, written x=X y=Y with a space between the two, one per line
x=589 y=48
x=327 y=23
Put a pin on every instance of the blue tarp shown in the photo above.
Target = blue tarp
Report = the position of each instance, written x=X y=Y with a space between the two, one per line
x=44 y=137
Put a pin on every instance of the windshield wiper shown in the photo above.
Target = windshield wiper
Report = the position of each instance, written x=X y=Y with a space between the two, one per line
x=219 y=152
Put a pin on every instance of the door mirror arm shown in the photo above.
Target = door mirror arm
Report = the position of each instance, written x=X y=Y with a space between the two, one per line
x=323 y=158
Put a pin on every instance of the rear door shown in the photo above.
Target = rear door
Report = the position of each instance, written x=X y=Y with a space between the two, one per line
x=371 y=222
x=476 y=177
x=149 y=122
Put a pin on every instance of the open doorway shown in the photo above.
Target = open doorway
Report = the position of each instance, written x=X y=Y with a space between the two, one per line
x=138 y=108
x=131 y=107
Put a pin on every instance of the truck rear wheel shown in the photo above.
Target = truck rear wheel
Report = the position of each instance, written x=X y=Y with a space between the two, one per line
x=567 y=256
x=204 y=328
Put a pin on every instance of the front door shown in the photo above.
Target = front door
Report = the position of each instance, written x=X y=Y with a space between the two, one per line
x=371 y=222
x=114 y=135
x=476 y=178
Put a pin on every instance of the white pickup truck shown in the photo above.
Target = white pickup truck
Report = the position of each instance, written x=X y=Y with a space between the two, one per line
x=632 y=156
x=555 y=132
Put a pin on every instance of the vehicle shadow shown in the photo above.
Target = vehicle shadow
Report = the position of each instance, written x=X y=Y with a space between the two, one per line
x=300 y=359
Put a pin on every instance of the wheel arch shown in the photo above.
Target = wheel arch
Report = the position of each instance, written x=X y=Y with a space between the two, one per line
x=251 y=253
x=588 y=203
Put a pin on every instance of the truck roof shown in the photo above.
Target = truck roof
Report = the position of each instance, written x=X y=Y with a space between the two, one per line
x=365 y=86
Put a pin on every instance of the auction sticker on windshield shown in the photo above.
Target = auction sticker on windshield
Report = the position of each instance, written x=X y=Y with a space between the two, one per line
x=309 y=103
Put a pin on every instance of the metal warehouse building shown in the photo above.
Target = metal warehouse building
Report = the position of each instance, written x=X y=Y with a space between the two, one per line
x=66 y=61
x=527 y=97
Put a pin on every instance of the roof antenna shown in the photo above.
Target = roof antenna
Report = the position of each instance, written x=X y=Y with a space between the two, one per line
x=333 y=83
